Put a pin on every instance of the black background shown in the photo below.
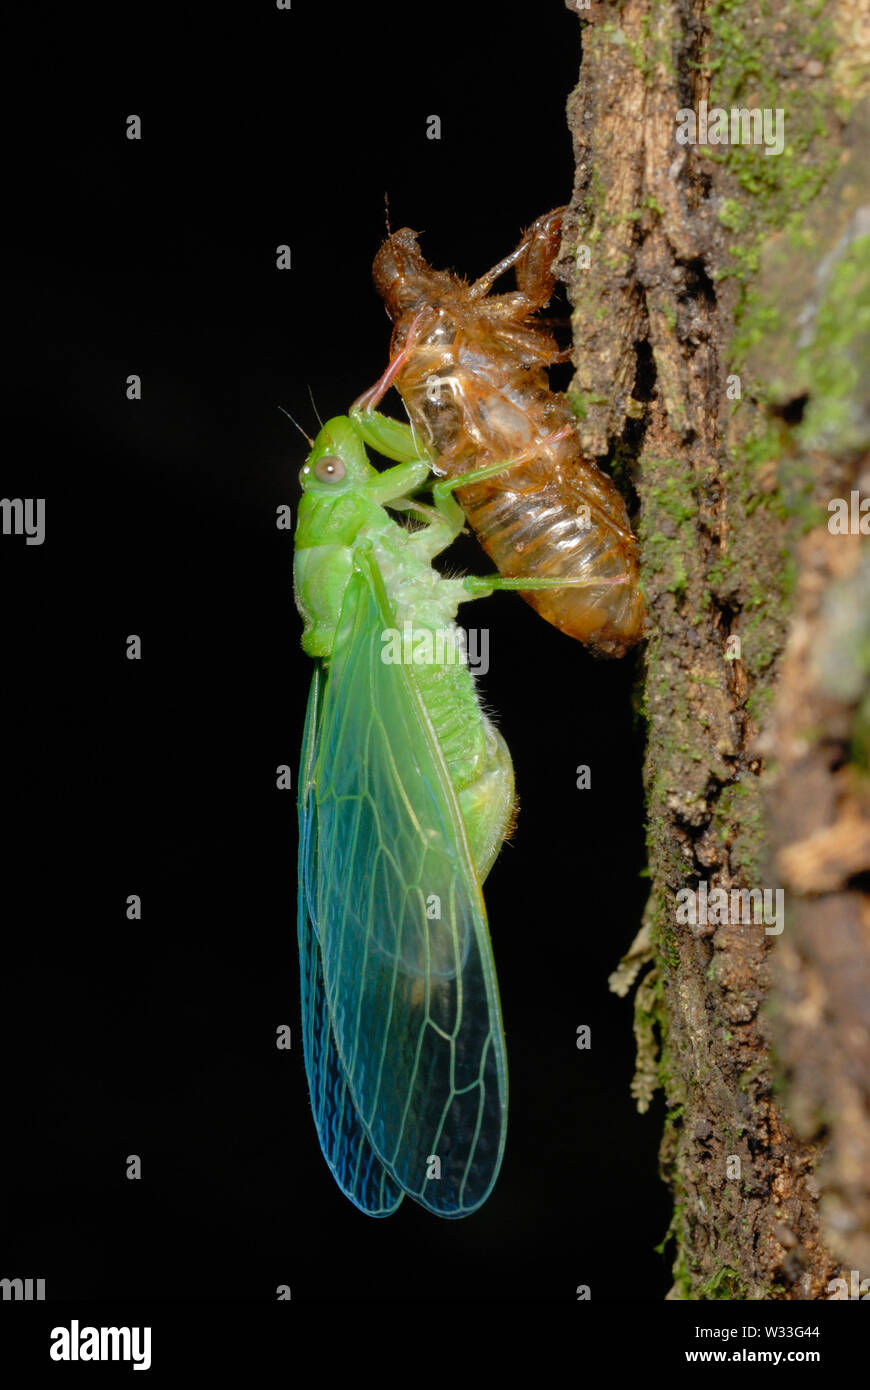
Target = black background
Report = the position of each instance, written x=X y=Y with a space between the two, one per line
x=157 y=777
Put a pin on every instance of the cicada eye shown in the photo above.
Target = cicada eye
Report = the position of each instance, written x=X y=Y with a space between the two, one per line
x=329 y=469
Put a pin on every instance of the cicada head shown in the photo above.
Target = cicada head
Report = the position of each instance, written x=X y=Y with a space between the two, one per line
x=338 y=462
x=404 y=278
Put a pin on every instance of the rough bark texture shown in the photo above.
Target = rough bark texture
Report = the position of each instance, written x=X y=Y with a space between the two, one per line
x=722 y=351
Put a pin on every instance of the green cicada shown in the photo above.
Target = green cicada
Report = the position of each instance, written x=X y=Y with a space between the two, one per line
x=405 y=795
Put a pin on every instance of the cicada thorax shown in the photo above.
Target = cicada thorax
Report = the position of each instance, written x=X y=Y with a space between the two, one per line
x=474 y=382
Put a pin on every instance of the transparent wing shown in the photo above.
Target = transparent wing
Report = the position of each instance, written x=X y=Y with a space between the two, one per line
x=346 y=1148
x=408 y=974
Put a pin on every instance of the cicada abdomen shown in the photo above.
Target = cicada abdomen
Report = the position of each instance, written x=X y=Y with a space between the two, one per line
x=471 y=367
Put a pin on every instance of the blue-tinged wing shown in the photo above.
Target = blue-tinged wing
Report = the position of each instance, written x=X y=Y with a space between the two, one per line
x=407 y=1000
x=346 y=1148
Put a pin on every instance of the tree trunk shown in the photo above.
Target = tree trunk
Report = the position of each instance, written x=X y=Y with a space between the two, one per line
x=721 y=323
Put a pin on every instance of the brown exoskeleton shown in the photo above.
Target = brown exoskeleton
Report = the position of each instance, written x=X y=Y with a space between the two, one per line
x=470 y=366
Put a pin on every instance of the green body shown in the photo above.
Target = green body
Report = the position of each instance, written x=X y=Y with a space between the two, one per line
x=405 y=796
x=338 y=517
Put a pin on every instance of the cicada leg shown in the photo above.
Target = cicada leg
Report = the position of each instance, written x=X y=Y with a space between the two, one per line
x=449 y=508
x=399 y=441
x=481 y=585
x=535 y=278
x=391 y=488
x=533 y=260
x=485 y=584
x=445 y=487
x=364 y=406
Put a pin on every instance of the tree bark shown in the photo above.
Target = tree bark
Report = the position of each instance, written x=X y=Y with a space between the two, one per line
x=721 y=322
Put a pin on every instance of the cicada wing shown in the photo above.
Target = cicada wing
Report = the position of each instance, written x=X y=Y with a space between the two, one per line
x=343 y=1140
x=407 y=961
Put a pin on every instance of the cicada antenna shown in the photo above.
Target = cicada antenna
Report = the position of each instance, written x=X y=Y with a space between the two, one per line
x=314 y=404
x=297 y=424
x=387 y=213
